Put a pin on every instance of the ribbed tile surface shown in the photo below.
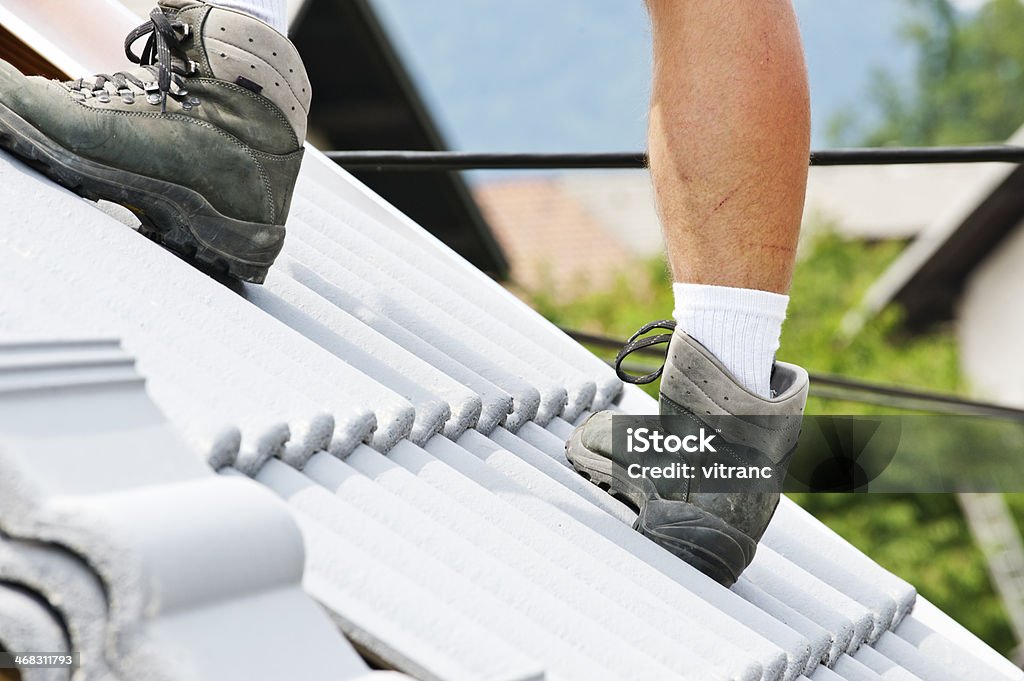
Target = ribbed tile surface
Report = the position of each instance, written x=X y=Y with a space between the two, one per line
x=412 y=415
x=119 y=543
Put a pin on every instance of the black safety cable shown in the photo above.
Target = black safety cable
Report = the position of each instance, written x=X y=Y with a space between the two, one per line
x=412 y=161
x=848 y=389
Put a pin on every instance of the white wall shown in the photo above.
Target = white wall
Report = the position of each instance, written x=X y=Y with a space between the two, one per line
x=863 y=202
x=886 y=202
x=990 y=324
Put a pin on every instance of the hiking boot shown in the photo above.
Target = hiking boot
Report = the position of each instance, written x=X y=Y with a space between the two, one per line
x=202 y=140
x=713 y=526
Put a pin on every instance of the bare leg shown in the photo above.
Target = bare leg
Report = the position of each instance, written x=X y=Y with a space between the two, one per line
x=729 y=139
x=728 y=144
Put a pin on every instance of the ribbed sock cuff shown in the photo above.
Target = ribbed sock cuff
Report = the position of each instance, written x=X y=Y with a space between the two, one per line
x=740 y=326
x=271 y=12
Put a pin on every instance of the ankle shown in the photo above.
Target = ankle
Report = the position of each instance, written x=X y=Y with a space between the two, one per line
x=741 y=327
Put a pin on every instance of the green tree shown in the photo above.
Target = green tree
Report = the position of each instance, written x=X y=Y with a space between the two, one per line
x=968 y=85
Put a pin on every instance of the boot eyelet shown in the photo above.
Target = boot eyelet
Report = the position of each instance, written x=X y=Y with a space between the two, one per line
x=153 y=93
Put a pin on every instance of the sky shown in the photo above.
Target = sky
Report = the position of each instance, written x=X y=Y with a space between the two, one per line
x=573 y=75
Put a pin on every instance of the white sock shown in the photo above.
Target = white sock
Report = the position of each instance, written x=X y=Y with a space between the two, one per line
x=272 y=12
x=740 y=326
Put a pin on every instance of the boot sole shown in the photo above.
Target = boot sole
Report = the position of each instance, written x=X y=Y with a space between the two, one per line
x=699 y=538
x=176 y=217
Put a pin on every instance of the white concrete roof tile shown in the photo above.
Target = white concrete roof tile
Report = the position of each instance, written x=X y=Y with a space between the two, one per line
x=951 y=656
x=377 y=355
x=496 y=403
x=824 y=598
x=545 y=441
x=890 y=670
x=808 y=597
x=825 y=674
x=77 y=596
x=822 y=644
x=546 y=558
x=834 y=556
x=211 y=543
x=28 y=624
x=461 y=276
x=364 y=301
x=460 y=546
x=883 y=606
x=574 y=520
x=912 y=659
x=632 y=616
x=561 y=428
x=848 y=668
x=431 y=412
x=194 y=338
x=395 y=580
x=500 y=443
x=420 y=312
x=849 y=622
x=947 y=630
x=157 y=567
x=377 y=622
x=398 y=263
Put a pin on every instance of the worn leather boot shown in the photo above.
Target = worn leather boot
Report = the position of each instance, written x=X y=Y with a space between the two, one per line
x=714 y=526
x=202 y=140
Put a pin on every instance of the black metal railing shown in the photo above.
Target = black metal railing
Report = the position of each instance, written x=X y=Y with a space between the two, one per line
x=842 y=388
x=825 y=386
x=433 y=161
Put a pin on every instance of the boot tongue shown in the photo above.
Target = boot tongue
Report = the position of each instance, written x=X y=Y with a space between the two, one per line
x=191 y=45
x=178 y=5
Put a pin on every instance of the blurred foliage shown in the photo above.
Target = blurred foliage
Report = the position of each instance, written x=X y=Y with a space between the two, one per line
x=830 y=280
x=968 y=84
x=968 y=88
x=921 y=537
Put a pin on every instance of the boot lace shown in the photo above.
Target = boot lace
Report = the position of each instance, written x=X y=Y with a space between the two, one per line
x=635 y=343
x=638 y=341
x=162 y=56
